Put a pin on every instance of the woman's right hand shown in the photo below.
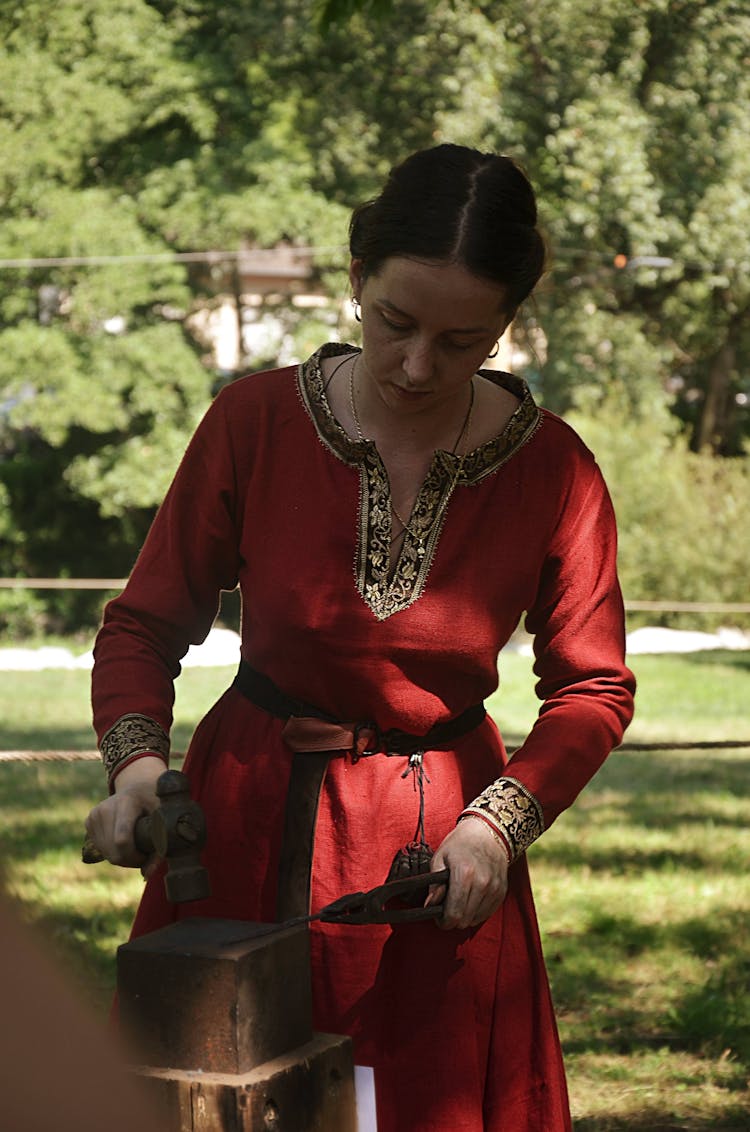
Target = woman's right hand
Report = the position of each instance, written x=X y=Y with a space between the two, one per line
x=111 y=824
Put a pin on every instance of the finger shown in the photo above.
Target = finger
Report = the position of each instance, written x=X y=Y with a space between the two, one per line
x=482 y=912
x=95 y=840
x=435 y=895
x=126 y=816
x=488 y=904
x=150 y=867
x=110 y=828
x=457 y=902
x=95 y=819
x=475 y=900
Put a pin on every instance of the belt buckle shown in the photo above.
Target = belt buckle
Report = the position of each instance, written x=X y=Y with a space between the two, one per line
x=356 y=753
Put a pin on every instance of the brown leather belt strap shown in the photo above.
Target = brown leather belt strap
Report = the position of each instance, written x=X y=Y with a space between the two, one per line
x=300 y=817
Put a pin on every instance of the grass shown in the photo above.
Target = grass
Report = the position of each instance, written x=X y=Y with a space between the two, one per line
x=49 y=709
x=689 y=697
x=644 y=898
x=642 y=887
x=681 y=698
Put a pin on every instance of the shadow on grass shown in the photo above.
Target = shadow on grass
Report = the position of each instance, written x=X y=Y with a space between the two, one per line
x=719 y=658
x=27 y=841
x=674 y=770
x=588 y=972
x=47 y=786
x=75 y=738
x=630 y=862
x=692 y=796
x=651 y=1120
x=40 y=804
x=662 y=789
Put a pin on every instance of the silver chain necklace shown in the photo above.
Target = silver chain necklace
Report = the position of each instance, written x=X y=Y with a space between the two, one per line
x=463 y=432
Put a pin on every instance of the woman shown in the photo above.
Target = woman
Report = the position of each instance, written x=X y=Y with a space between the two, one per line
x=460 y=505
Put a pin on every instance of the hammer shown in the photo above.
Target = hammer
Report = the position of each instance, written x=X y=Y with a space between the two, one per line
x=176 y=831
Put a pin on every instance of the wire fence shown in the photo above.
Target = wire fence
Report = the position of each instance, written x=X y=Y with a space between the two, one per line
x=62 y=583
x=32 y=756
x=666 y=606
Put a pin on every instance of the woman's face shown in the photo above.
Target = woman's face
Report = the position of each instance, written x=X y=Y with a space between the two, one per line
x=426 y=329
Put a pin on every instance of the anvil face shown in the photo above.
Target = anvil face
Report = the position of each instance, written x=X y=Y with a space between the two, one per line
x=220 y=996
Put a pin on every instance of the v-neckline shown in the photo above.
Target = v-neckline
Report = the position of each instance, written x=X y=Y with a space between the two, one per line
x=389 y=588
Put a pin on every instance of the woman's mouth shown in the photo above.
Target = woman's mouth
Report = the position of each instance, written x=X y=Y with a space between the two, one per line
x=411 y=394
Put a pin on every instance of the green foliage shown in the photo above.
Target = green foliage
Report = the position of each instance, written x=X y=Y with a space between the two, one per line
x=154 y=374
x=681 y=514
x=99 y=392
x=169 y=126
x=332 y=12
x=632 y=120
x=596 y=355
x=157 y=128
x=23 y=614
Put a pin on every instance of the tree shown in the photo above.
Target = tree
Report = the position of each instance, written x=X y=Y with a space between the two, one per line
x=175 y=126
x=153 y=130
x=633 y=122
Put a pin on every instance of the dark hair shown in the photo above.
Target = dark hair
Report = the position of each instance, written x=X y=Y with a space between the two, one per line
x=457 y=205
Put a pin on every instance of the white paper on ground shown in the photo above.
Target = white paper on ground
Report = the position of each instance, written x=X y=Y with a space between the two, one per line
x=364 y=1088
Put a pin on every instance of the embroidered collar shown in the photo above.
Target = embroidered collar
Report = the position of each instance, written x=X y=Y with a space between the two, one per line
x=388 y=591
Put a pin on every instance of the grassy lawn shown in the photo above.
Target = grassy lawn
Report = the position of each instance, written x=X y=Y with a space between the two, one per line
x=642 y=887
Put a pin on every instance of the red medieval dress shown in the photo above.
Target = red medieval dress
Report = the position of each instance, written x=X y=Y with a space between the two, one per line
x=274 y=495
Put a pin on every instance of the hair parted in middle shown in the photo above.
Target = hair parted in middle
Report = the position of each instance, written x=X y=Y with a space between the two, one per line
x=453 y=204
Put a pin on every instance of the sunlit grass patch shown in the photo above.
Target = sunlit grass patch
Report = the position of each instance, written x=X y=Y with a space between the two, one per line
x=692 y=696
x=685 y=697
x=656 y=1090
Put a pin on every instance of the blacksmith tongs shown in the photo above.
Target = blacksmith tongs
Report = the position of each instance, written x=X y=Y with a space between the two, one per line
x=389 y=903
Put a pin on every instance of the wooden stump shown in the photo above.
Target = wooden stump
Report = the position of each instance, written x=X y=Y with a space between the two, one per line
x=219 y=1013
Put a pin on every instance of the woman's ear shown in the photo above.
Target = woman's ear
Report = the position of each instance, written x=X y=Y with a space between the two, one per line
x=508 y=317
x=355 y=278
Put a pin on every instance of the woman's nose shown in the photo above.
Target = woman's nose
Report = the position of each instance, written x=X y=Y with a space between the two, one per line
x=419 y=362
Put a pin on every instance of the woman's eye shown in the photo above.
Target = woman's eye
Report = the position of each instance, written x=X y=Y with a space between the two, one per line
x=452 y=345
x=400 y=327
x=405 y=328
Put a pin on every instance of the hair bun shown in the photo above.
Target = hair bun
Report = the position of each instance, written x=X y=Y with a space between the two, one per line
x=458 y=205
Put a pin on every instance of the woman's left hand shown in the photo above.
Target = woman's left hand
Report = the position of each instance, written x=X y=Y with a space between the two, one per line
x=478 y=866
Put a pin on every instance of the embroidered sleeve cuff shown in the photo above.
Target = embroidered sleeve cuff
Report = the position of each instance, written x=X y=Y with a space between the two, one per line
x=492 y=827
x=512 y=811
x=129 y=738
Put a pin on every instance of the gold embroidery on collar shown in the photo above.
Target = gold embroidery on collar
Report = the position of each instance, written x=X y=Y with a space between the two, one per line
x=388 y=591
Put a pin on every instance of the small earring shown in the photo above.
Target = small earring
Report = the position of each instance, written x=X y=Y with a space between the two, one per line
x=494 y=351
x=355 y=304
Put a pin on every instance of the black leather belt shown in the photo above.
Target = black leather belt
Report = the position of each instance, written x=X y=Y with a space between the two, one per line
x=262 y=691
x=315 y=736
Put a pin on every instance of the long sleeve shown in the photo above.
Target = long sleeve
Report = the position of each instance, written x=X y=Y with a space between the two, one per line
x=172 y=596
x=577 y=622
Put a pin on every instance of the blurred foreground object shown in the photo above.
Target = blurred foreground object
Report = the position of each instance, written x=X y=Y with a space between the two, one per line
x=61 y=1070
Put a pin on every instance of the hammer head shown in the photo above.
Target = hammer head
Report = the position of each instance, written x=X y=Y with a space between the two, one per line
x=186 y=882
x=176 y=831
